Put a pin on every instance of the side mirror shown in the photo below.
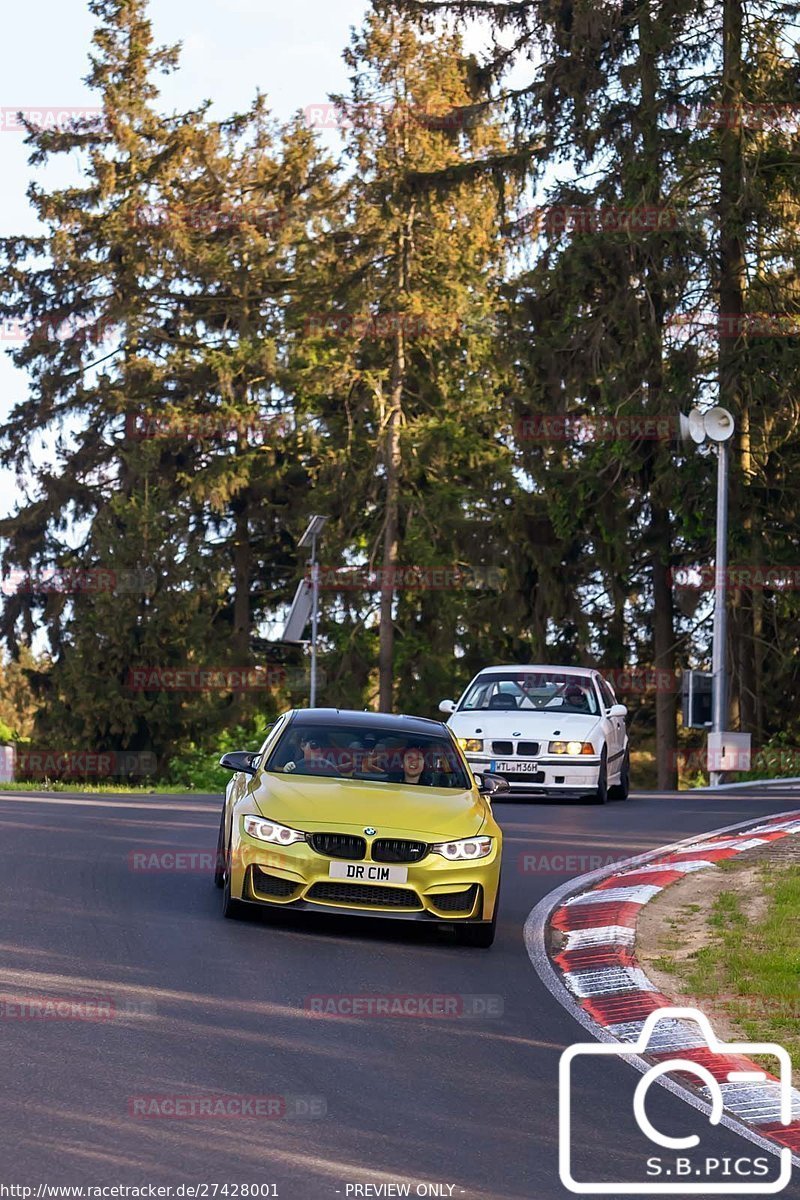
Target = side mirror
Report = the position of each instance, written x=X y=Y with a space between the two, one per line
x=617 y=710
x=489 y=784
x=240 y=760
x=447 y=706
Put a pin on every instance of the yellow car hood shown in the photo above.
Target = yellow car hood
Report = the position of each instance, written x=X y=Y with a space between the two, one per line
x=313 y=803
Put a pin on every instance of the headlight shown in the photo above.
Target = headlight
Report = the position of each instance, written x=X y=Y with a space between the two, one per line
x=271 y=831
x=572 y=748
x=471 y=745
x=466 y=848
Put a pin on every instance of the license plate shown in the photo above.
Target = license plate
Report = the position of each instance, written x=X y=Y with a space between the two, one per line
x=367 y=872
x=516 y=768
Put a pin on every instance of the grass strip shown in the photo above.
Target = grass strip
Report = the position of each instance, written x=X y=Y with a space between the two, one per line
x=751 y=966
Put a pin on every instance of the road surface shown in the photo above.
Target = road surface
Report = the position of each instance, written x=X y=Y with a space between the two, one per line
x=204 y=1007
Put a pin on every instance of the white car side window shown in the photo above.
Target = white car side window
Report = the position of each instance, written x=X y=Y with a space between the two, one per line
x=606 y=693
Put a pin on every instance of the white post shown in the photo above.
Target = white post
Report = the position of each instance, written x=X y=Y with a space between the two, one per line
x=314 y=621
x=719 y=652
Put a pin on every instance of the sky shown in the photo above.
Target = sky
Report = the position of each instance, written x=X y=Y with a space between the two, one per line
x=231 y=48
x=291 y=51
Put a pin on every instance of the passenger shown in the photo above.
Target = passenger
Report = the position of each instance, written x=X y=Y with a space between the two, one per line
x=350 y=760
x=414 y=769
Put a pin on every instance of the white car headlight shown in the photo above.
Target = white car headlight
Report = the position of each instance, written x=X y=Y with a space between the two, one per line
x=464 y=848
x=572 y=748
x=271 y=831
x=471 y=745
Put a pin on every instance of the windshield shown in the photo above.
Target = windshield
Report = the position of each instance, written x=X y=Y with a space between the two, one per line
x=378 y=755
x=531 y=691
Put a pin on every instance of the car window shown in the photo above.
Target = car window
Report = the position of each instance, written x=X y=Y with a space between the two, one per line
x=606 y=693
x=374 y=754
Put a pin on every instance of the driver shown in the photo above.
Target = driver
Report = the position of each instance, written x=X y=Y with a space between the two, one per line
x=311 y=761
x=576 y=698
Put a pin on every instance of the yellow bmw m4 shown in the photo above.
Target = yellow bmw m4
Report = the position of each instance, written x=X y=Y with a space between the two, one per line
x=361 y=813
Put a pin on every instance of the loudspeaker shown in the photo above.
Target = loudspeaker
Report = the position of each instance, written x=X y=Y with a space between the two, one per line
x=718 y=424
x=697 y=429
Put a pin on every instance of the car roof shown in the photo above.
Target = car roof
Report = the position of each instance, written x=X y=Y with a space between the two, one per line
x=545 y=668
x=388 y=722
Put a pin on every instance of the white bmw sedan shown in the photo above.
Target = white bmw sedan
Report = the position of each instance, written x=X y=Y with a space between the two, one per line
x=549 y=731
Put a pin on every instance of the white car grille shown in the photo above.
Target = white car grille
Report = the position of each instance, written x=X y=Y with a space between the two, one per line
x=521 y=748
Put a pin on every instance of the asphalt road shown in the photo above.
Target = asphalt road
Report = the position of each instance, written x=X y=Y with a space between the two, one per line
x=204 y=1007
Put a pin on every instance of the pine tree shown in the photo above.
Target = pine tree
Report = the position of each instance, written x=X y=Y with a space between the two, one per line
x=409 y=394
x=154 y=354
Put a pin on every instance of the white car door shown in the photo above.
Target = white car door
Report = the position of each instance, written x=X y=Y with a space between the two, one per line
x=613 y=728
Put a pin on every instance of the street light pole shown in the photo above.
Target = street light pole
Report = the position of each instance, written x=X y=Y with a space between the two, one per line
x=310 y=538
x=314 y=619
x=716 y=426
x=719 y=693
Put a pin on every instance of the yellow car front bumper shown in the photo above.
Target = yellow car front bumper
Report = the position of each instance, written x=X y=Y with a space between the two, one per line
x=298 y=877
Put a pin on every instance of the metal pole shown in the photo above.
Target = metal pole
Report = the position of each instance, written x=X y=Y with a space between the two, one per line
x=314 y=621
x=719 y=654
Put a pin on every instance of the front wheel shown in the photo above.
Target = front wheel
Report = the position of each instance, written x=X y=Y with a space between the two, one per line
x=601 y=793
x=479 y=934
x=231 y=908
x=219 y=861
x=621 y=790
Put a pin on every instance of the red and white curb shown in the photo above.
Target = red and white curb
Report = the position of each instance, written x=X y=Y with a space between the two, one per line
x=597 y=978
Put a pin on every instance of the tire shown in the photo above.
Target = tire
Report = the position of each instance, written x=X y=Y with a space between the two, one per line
x=600 y=795
x=219 y=861
x=479 y=934
x=621 y=790
x=232 y=909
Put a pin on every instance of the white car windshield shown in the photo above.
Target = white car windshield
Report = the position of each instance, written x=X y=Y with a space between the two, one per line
x=531 y=691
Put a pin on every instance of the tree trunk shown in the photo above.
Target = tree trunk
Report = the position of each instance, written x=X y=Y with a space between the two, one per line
x=391 y=529
x=660 y=532
x=240 y=638
x=241 y=579
x=663 y=651
x=392 y=463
